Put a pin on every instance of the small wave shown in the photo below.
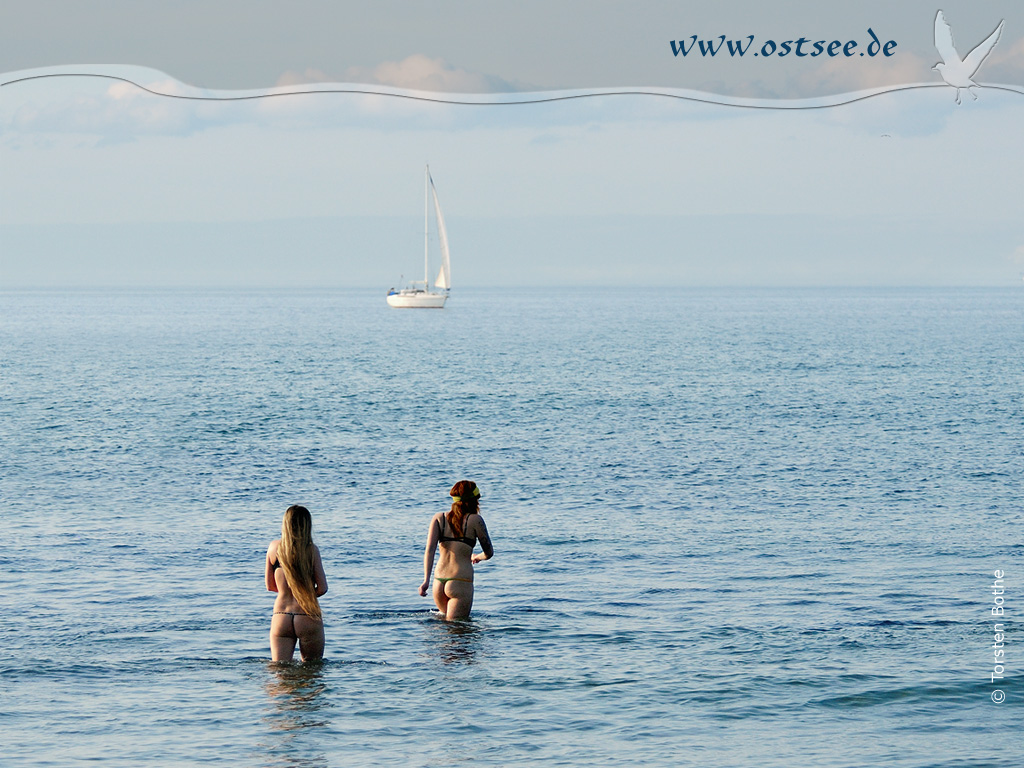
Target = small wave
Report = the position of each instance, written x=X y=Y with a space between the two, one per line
x=963 y=692
x=915 y=624
x=399 y=613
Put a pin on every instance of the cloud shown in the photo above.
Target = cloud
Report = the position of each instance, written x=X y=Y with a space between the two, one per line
x=307 y=76
x=120 y=112
x=422 y=73
x=845 y=76
x=1004 y=64
x=116 y=112
x=137 y=110
x=414 y=73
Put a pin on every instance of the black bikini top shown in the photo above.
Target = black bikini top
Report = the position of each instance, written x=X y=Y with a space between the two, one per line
x=276 y=564
x=471 y=541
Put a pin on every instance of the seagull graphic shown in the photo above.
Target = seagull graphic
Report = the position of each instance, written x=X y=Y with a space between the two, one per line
x=955 y=71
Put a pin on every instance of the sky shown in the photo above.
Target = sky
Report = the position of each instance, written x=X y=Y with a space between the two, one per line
x=106 y=185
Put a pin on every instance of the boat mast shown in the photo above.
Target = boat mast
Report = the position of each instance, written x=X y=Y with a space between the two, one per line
x=426 y=224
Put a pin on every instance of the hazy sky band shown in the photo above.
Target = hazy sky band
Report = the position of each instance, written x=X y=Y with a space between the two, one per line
x=837 y=182
x=459 y=46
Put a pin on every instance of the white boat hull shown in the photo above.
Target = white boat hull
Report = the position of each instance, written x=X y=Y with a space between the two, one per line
x=417 y=299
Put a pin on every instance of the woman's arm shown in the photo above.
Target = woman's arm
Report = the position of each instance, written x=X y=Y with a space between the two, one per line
x=433 y=535
x=268 y=575
x=485 y=542
x=320 y=585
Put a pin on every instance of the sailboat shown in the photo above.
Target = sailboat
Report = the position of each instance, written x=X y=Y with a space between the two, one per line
x=420 y=294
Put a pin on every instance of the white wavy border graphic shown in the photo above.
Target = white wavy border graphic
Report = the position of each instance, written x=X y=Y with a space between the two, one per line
x=192 y=93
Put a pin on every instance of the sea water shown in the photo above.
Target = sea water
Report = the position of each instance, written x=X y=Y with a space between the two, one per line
x=732 y=528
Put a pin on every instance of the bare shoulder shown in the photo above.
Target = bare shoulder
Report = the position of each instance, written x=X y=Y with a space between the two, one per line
x=272 y=549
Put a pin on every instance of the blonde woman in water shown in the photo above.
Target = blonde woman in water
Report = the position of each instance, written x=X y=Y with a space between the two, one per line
x=456 y=532
x=295 y=572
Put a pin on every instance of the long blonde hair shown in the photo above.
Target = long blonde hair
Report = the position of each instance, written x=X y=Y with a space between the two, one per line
x=295 y=554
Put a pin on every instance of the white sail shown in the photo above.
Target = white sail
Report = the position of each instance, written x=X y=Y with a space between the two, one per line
x=444 y=276
x=421 y=294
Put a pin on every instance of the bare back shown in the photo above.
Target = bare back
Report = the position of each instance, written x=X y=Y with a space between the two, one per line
x=453 y=579
x=455 y=553
x=290 y=623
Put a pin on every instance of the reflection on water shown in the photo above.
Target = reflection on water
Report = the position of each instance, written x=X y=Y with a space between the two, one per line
x=459 y=641
x=297 y=693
